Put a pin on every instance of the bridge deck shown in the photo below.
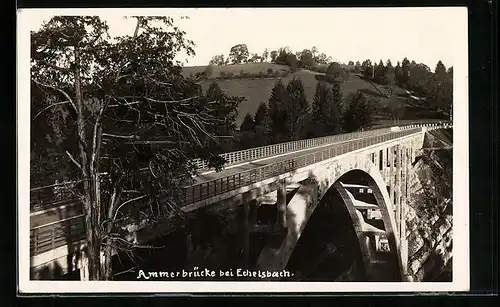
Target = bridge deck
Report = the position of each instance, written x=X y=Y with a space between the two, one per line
x=236 y=169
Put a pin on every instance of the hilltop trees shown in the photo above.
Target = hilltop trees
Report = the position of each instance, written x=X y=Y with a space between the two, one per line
x=380 y=73
x=306 y=59
x=274 y=56
x=292 y=62
x=367 y=69
x=281 y=58
x=335 y=73
x=255 y=58
x=405 y=73
x=265 y=55
x=440 y=69
x=238 y=54
x=131 y=122
x=218 y=60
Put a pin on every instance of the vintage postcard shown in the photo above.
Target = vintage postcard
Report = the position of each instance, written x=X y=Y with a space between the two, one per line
x=242 y=150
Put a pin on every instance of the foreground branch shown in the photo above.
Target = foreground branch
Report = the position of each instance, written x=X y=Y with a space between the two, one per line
x=120 y=136
x=128 y=201
x=73 y=160
x=60 y=91
x=46 y=108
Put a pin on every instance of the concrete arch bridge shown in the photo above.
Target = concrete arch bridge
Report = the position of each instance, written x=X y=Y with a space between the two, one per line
x=369 y=171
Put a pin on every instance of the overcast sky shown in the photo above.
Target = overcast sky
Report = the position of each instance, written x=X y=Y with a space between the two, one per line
x=425 y=35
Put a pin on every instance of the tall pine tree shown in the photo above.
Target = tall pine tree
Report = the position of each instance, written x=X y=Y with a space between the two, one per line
x=296 y=108
x=277 y=111
x=225 y=109
x=260 y=117
x=247 y=124
x=359 y=113
x=322 y=98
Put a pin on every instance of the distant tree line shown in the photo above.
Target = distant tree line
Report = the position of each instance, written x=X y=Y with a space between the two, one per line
x=307 y=58
x=436 y=86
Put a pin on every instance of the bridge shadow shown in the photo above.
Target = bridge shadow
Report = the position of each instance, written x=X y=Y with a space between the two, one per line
x=327 y=249
x=58 y=236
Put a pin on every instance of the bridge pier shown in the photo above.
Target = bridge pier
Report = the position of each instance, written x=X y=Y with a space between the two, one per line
x=391 y=175
x=246 y=234
x=281 y=204
x=189 y=247
x=403 y=238
x=84 y=270
x=397 y=188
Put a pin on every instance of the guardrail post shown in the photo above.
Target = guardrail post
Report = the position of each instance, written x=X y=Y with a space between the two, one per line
x=35 y=233
x=52 y=236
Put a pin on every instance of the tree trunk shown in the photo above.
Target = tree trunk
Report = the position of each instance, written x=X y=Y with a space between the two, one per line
x=89 y=190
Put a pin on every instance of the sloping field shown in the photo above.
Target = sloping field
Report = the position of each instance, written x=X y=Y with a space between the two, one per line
x=258 y=90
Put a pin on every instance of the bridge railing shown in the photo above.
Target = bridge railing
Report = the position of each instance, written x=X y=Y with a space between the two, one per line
x=52 y=196
x=56 y=234
x=61 y=194
x=255 y=153
x=208 y=189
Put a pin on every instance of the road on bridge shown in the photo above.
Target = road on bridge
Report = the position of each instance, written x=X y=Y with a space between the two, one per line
x=235 y=169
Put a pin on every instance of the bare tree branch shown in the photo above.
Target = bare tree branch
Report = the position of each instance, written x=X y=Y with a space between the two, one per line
x=74 y=161
x=126 y=202
x=124 y=104
x=46 y=108
x=121 y=136
x=60 y=91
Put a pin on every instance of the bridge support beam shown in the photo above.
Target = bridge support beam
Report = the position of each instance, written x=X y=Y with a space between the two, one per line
x=281 y=204
x=397 y=189
x=275 y=255
x=246 y=234
x=189 y=247
x=391 y=175
x=403 y=238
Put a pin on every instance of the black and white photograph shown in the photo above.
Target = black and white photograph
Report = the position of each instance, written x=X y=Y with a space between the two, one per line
x=242 y=150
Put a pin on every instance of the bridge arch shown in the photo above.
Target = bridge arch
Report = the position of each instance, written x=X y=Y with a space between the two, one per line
x=317 y=183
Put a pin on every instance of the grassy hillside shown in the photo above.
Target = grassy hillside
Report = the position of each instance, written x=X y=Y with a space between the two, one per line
x=258 y=90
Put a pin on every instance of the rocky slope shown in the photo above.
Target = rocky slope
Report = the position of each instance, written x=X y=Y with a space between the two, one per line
x=430 y=215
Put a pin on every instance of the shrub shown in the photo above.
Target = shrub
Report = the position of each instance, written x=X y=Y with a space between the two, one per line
x=208 y=71
x=222 y=74
x=242 y=73
x=270 y=71
x=229 y=74
x=261 y=74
